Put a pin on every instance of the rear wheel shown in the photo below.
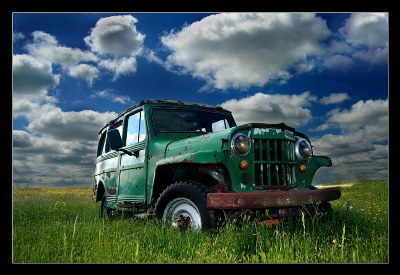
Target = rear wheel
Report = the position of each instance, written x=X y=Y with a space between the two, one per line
x=105 y=211
x=183 y=205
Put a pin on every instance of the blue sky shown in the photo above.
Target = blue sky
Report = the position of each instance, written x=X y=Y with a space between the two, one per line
x=324 y=74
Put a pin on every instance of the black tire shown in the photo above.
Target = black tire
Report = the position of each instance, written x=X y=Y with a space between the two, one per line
x=325 y=209
x=322 y=209
x=183 y=200
x=105 y=211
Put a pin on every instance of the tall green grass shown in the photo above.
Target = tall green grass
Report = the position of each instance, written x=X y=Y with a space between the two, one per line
x=62 y=225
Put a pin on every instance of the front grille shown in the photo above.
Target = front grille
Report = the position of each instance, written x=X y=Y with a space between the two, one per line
x=274 y=162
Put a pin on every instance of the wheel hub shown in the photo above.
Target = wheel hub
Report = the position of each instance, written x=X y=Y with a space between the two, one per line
x=182 y=222
x=183 y=214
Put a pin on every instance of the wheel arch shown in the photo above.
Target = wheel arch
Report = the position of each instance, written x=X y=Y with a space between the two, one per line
x=100 y=191
x=213 y=176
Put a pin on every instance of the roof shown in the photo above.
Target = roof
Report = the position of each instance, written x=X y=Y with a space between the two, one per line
x=167 y=102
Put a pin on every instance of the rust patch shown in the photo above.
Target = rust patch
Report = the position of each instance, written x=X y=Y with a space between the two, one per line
x=271 y=222
x=270 y=198
x=187 y=160
x=111 y=191
x=273 y=187
x=108 y=174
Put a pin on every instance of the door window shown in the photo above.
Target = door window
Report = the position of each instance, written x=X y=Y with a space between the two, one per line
x=136 y=130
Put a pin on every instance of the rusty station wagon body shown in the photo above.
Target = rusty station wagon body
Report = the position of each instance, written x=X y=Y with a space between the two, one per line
x=192 y=166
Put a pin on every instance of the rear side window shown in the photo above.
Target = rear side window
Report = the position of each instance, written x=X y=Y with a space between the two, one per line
x=119 y=128
x=101 y=145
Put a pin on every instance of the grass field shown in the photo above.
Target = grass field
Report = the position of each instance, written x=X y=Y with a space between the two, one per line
x=62 y=225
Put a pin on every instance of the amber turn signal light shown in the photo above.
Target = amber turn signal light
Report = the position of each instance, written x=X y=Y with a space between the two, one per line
x=243 y=164
x=303 y=168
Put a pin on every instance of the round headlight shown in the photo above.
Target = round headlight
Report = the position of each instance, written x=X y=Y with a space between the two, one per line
x=303 y=149
x=240 y=144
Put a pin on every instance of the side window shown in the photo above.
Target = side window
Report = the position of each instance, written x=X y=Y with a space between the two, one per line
x=136 y=129
x=101 y=145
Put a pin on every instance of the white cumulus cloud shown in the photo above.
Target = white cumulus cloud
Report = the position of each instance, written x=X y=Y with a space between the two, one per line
x=366 y=163
x=373 y=56
x=338 y=62
x=371 y=115
x=46 y=47
x=57 y=148
x=31 y=80
x=32 y=76
x=116 y=35
x=84 y=71
x=266 y=108
x=21 y=139
x=334 y=98
x=121 y=66
x=18 y=36
x=368 y=34
x=52 y=121
x=239 y=50
x=361 y=148
x=117 y=39
x=107 y=94
x=369 y=29
x=355 y=155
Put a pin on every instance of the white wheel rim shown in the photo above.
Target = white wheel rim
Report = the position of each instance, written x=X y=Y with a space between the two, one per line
x=182 y=207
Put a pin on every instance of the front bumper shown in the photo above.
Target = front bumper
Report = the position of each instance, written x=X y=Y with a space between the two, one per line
x=269 y=199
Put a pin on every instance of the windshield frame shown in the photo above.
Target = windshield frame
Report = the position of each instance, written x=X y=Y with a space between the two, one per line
x=227 y=115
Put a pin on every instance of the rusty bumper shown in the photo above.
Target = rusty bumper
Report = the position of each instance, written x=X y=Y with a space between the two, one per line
x=269 y=199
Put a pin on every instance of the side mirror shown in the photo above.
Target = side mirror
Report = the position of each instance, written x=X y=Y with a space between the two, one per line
x=114 y=139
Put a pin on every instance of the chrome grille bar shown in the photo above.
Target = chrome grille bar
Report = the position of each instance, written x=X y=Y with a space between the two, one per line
x=274 y=161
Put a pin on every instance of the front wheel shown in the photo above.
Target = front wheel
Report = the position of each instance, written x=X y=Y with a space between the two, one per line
x=183 y=205
x=322 y=209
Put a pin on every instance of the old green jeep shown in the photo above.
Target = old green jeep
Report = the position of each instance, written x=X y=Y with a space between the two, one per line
x=191 y=166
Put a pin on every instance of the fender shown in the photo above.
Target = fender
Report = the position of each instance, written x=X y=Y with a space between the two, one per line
x=194 y=157
x=314 y=163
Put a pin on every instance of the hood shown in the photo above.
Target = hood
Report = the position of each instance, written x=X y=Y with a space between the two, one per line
x=215 y=141
x=206 y=142
x=281 y=126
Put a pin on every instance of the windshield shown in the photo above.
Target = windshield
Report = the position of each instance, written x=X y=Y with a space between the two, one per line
x=185 y=120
